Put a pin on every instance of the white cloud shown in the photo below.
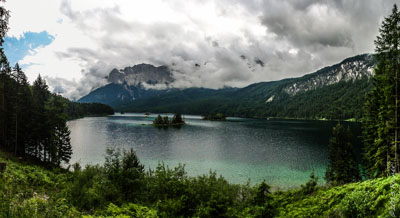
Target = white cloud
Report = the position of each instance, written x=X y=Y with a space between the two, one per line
x=289 y=38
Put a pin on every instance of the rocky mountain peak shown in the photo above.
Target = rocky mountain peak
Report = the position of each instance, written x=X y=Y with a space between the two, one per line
x=141 y=74
x=353 y=68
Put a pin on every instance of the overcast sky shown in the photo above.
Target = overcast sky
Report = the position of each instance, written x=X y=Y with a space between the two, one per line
x=74 y=44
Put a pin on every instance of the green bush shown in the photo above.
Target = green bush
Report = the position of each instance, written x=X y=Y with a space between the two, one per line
x=130 y=210
x=32 y=191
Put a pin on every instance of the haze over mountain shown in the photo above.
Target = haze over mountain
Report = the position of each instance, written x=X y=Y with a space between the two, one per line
x=342 y=84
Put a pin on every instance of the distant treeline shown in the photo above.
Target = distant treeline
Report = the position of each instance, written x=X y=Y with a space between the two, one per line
x=78 y=110
x=343 y=100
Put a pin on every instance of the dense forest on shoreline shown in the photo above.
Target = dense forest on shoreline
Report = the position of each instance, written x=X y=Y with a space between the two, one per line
x=33 y=121
x=340 y=101
x=76 y=110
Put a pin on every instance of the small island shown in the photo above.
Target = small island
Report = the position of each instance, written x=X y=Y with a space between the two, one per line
x=176 y=121
x=215 y=117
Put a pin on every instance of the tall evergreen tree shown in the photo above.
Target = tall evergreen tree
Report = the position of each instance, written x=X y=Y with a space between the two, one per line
x=380 y=122
x=23 y=107
x=58 y=144
x=40 y=129
x=5 y=80
x=4 y=76
x=342 y=167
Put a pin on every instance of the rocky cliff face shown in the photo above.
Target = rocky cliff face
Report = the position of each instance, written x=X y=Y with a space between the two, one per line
x=131 y=83
x=353 y=68
x=141 y=74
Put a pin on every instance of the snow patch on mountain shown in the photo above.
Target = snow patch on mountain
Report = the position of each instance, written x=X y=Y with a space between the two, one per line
x=348 y=70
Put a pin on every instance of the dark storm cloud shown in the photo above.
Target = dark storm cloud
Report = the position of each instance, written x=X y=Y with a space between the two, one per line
x=300 y=36
x=311 y=24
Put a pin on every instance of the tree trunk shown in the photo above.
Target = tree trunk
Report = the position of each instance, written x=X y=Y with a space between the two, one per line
x=16 y=131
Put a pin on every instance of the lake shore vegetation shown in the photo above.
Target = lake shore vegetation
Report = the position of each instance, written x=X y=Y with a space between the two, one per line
x=214 y=117
x=123 y=188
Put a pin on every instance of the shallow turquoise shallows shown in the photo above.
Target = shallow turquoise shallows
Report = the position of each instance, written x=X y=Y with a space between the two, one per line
x=281 y=152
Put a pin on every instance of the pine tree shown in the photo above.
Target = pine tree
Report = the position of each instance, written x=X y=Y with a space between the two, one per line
x=62 y=144
x=380 y=122
x=58 y=143
x=23 y=104
x=342 y=167
x=4 y=17
x=40 y=129
x=4 y=78
x=177 y=119
x=158 y=120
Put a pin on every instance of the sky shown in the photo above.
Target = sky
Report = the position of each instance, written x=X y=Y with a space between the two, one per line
x=74 y=44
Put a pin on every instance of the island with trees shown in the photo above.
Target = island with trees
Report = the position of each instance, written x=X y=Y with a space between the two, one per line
x=176 y=121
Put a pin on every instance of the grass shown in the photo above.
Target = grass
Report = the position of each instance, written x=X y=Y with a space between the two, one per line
x=29 y=190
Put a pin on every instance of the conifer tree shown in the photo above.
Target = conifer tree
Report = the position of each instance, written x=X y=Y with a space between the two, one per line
x=23 y=107
x=58 y=143
x=380 y=122
x=4 y=78
x=342 y=167
x=40 y=132
x=5 y=72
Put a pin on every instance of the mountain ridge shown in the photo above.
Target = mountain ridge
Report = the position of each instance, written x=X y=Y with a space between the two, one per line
x=263 y=99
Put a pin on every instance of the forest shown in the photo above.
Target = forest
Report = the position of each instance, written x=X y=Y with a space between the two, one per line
x=340 y=101
x=33 y=121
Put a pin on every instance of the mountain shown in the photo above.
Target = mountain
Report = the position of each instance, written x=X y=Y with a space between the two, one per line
x=131 y=83
x=141 y=74
x=334 y=92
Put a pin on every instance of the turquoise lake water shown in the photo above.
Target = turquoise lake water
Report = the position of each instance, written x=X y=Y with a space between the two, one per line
x=281 y=152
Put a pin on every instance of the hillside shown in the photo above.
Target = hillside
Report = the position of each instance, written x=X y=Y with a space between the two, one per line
x=334 y=92
x=28 y=190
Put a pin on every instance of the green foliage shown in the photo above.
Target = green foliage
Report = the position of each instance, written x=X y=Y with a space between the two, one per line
x=356 y=204
x=380 y=122
x=125 y=172
x=342 y=166
x=177 y=119
x=78 y=110
x=311 y=184
x=130 y=210
x=366 y=199
x=33 y=121
x=33 y=191
x=87 y=189
x=165 y=121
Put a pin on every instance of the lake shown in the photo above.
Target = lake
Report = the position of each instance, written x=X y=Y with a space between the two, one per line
x=281 y=152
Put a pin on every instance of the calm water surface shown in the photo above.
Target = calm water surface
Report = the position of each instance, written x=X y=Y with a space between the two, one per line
x=281 y=152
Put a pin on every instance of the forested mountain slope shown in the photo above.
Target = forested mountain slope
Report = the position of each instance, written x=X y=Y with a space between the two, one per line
x=334 y=92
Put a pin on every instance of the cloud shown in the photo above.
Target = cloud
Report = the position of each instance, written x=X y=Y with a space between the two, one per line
x=16 y=48
x=212 y=43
